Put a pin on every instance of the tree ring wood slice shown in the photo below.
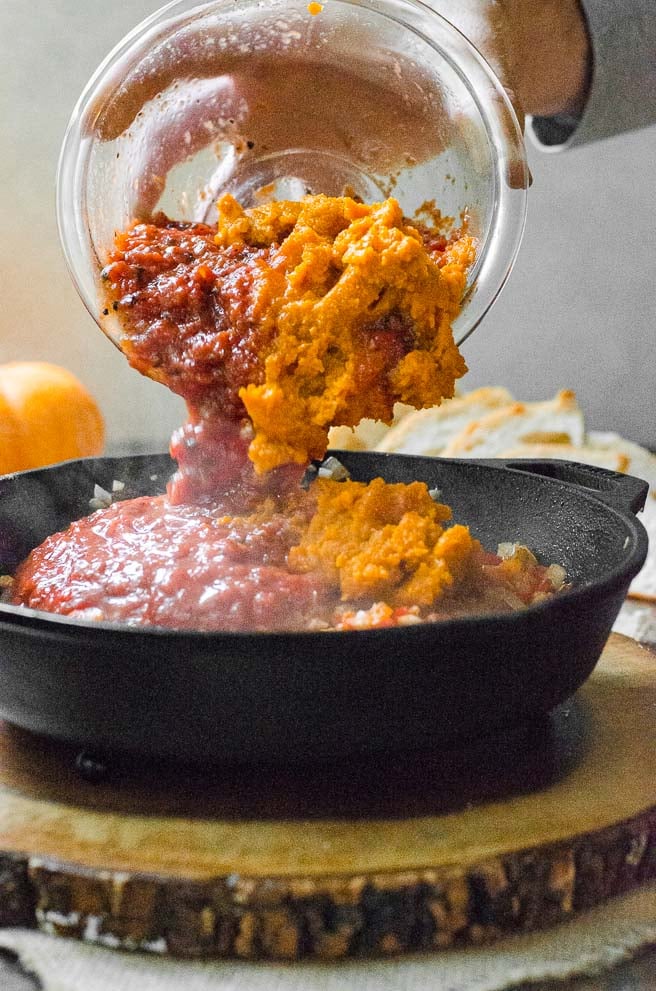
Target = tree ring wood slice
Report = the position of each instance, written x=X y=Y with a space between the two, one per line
x=372 y=857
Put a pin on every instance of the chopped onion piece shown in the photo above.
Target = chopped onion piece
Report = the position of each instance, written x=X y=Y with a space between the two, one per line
x=334 y=469
x=102 y=499
x=556 y=575
x=508 y=596
x=409 y=619
x=318 y=624
x=102 y=494
x=92 y=613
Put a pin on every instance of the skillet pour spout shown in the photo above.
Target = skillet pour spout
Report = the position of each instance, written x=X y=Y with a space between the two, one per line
x=310 y=696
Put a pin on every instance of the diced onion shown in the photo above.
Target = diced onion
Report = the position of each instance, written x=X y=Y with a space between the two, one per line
x=409 y=619
x=556 y=575
x=334 y=469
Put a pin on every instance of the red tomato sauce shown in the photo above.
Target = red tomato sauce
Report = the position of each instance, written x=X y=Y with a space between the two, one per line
x=188 y=303
x=212 y=457
x=146 y=562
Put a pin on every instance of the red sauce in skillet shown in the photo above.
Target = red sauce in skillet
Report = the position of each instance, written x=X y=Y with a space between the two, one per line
x=145 y=561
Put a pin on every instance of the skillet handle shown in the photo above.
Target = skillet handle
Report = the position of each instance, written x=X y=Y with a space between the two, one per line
x=620 y=491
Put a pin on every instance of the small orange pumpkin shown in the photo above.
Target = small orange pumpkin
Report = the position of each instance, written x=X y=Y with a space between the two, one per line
x=46 y=416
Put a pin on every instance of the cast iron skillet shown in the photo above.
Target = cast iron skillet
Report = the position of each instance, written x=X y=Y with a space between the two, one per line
x=303 y=696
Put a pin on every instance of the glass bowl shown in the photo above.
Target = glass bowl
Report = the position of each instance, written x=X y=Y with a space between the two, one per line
x=277 y=98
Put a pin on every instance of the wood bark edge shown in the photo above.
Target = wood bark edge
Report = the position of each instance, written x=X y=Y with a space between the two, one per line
x=332 y=917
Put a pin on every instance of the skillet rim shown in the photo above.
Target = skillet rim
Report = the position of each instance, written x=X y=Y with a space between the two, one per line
x=60 y=626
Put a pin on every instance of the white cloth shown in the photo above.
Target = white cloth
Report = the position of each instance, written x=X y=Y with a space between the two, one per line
x=638 y=621
x=588 y=944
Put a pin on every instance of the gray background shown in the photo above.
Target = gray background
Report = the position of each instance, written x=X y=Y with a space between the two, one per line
x=579 y=310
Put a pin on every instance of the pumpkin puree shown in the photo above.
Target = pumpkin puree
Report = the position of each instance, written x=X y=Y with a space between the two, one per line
x=384 y=541
x=341 y=269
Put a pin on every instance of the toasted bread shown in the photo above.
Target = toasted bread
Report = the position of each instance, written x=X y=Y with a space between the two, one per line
x=556 y=421
x=427 y=431
x=368 y=433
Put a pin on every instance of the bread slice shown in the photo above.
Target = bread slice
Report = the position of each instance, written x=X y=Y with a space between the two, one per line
x=428 y=431
x=367 y=434
x=556 y=421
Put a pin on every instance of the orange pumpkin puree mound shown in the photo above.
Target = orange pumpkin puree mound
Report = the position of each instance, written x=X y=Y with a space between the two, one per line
x=384 y=541
x=361 y=316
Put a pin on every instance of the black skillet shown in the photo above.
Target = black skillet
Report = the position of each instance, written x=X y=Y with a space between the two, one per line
x=304 y=696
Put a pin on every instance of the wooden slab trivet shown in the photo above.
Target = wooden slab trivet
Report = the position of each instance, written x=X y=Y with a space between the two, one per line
x=383 y=856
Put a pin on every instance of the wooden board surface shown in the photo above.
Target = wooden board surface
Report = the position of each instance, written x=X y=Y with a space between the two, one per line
x=367 y=857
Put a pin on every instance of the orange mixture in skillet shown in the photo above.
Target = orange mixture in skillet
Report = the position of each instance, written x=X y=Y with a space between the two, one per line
x=275 y=325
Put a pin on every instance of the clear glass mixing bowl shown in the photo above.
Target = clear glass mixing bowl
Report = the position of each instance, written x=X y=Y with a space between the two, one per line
x=264 y=99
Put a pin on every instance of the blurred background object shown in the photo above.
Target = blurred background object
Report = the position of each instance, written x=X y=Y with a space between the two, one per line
x=579 y=310
x=46 y=415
